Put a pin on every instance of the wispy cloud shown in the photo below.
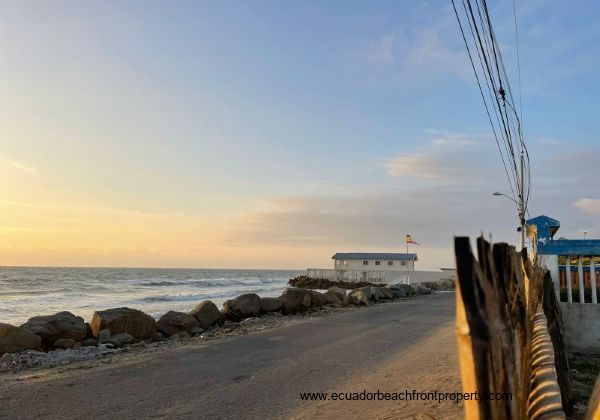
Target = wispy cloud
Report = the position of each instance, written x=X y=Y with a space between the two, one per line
x=448 y=157
x=20 y=166
x=431 y=50
x=434 y=191
x=588 y=205
x=371 y=220
x=382 y=51
x=414 y=51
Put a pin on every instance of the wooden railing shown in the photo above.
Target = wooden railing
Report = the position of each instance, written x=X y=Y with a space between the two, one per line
x=509 y=335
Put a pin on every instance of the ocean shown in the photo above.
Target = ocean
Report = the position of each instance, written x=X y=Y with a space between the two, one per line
x=31 y=291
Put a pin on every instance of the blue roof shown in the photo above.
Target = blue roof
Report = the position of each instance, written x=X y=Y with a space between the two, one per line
x=546 y=226
x=374 y=256
x=543 y=219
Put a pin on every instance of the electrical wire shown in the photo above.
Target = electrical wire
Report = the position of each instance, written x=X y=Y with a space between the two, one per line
x=496 y=92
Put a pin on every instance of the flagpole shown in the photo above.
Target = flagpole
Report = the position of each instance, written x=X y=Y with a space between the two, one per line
x=407 y=275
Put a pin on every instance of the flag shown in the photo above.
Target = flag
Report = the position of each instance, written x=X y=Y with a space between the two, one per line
x=410 y=240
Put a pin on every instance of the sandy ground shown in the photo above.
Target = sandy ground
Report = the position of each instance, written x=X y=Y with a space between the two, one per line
x=388 y=347
x=429 y=365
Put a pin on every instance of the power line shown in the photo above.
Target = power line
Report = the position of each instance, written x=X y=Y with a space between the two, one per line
x=518 y=59
x=505 y=119
x=482 y=94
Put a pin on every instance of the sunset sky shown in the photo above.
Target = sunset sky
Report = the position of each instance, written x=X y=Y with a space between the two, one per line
x=272 y=134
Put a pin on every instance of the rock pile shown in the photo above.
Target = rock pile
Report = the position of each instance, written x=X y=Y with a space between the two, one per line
x=443 y=284
x=306 y=282
x=115 y=328
x=54 y=327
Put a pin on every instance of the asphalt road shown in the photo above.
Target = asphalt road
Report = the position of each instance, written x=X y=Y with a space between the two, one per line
x=253 y=376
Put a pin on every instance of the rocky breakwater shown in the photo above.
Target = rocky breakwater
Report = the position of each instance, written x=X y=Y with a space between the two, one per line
x=306 y=282
x=43 y=339
x=57 y=327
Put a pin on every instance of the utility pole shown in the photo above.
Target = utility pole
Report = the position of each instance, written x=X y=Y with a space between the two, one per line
x=522 y=200
x=407 y=262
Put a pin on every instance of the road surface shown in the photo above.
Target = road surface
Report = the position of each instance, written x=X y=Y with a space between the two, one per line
x=388 y=347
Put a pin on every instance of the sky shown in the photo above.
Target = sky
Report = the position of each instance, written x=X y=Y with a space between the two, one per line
x=273 y=134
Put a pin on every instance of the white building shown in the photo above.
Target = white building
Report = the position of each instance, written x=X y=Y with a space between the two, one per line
x=365 y=262
x=375 y=267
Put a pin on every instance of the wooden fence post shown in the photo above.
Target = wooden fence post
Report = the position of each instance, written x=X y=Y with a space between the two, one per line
x=506 y=345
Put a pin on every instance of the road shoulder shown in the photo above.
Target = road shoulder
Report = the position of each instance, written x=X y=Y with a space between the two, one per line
x=429 y=365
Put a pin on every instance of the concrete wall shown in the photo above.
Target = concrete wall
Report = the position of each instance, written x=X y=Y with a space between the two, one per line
x=376 y=276
x=551 y=263
x=423 y=276
x=582 y=327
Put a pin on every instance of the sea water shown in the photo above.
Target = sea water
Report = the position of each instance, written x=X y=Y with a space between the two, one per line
x=30 y=291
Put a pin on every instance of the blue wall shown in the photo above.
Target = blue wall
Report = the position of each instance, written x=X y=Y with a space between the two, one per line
x=546 y=245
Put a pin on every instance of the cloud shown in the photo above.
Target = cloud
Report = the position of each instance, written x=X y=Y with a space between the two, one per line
x=21 y=167
x=565 y=170
x=440 y=189
x=382 y=51
x=431 y=50
x=417 y=165
x=588 y=205
x=372 y=220
x=419 y=52
x=449 y=157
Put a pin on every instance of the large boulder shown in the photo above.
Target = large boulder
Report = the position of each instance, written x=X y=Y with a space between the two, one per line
x=336 y=296
x=402 y=290
x=103 y=336
x=89 y=342
x=64 y=343
x=181 y=335
x=376 y=293
x=422 y=289
x=243 y=306
x=270 y=304
x=371 y=293
x=123 y=338
x=317 y=299
x=433 y=285
x=207 y=314
x=359 y=297
x=57 y=326
x=447 y=284
x=88 y=330
x=295 y=300
x=386 y=293
x=173 y=322
x=124 y=320
x=14 y=339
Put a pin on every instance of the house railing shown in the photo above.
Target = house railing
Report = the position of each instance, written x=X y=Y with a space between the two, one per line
x=577 y=279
